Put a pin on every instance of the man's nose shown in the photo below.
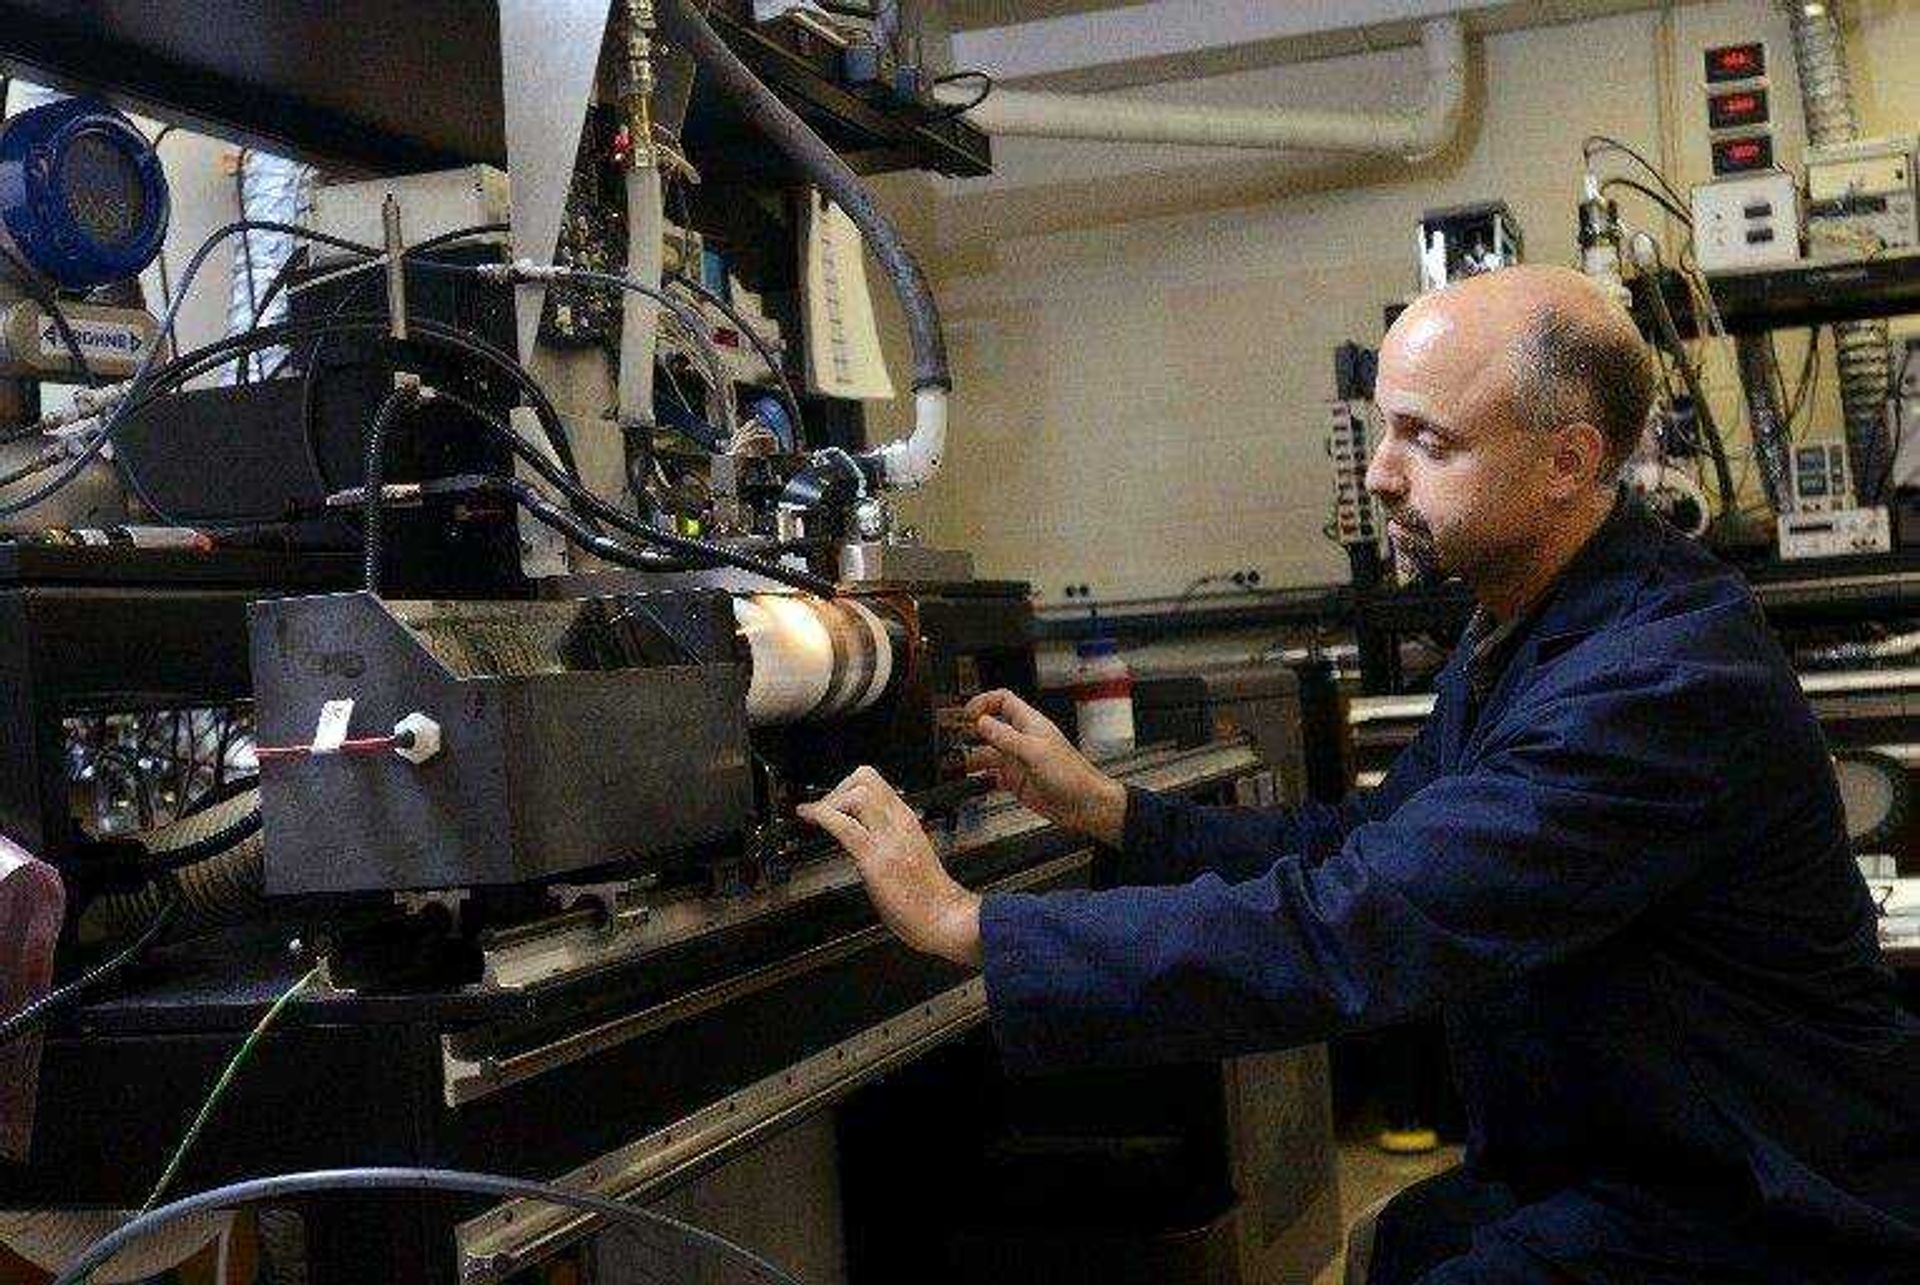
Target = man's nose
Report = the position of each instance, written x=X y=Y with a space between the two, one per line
x=1384 y=476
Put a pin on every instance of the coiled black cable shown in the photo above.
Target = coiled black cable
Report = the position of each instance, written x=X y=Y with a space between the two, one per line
x=398 y=401
x=40 y=1011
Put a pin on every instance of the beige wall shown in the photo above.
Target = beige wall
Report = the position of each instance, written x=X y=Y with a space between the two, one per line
x=1142 y=341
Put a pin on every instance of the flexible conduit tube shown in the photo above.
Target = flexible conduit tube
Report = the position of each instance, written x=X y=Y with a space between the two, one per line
x=223 y=888
x=273 y=189
x=1863 y=349
x=912 y=460
x=1114 y=118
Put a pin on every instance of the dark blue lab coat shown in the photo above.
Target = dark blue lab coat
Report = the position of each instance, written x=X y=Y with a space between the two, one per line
x=1624 y=882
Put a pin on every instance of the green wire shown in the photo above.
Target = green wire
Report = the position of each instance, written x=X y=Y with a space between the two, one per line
x=240 y=1057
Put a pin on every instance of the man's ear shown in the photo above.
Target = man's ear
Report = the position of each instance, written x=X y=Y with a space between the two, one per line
x=1579 y=458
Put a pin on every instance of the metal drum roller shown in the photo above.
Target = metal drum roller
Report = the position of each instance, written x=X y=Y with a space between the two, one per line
x=818 y=658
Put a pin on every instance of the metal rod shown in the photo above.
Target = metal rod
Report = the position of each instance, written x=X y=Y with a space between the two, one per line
x=396 y=268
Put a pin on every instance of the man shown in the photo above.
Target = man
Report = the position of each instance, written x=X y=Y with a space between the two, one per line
x=1614 y=860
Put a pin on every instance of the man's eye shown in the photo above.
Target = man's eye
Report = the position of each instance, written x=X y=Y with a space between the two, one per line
x=1430 y=444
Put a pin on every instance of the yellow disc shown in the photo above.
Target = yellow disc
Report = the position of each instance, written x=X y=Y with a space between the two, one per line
x=1407 y=1142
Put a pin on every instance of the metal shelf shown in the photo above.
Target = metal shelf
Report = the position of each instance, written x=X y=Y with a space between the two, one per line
x=371 y=86
x=1817 y=292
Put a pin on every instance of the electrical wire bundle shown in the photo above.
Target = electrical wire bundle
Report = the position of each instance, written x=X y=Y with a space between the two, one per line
x=1664 y=194
x=152 y=381
x=1760 y=367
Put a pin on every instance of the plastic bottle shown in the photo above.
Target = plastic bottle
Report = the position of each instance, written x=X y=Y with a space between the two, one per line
x=1102 y=698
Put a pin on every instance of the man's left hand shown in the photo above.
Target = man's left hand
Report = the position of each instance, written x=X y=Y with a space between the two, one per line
x=916 y=897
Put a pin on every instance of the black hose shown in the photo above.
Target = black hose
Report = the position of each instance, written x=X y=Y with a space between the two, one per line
x=255 y=305
x=543 y=406
x=1651 y=195
x=705 y=552
x=225 y=792
x=1716 y=448
x=113 y=419
x=429 y=334
x=41 y=1010
x=635 y=1219
x=584 y=502
x=547 y=513
x=400 y=399
x=682 y=23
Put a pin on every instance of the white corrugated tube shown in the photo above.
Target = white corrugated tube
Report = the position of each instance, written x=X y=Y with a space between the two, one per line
x=273 y=189
x=1863 y=349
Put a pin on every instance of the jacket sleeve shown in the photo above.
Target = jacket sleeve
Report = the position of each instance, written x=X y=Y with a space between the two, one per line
x=1172 y=840
x=1600 y=799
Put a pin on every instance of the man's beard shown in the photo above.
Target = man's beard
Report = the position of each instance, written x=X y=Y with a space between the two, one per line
x=1416 y=556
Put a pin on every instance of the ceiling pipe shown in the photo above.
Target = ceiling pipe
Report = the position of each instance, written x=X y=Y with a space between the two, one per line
x=1119 y=119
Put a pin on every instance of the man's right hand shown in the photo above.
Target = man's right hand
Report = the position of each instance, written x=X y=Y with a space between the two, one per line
x=1033 y=761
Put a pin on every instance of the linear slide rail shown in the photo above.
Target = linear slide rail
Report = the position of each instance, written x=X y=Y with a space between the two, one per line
x=518 y=1233
x=467 y=1076
x=577 y=942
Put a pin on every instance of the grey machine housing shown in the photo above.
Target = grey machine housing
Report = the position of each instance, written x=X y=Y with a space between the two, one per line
x=573 y=734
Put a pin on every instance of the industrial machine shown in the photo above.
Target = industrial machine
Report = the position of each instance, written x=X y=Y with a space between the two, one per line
x=482 y=398
x=445 y=649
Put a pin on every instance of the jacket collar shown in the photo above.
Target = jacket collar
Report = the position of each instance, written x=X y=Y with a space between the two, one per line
x=1605 y=576
x=1593 y=589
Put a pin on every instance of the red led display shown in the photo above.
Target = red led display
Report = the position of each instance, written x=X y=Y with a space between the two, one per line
x=1741 y=107
x=1736 y=62
x=1739 y=155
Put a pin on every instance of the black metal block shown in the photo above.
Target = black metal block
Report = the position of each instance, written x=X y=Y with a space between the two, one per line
x=564 y=746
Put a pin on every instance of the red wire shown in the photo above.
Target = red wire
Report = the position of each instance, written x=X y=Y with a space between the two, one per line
x=358 y=745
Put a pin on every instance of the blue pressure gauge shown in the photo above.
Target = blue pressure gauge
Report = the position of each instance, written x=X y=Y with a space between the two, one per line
x=83 y=197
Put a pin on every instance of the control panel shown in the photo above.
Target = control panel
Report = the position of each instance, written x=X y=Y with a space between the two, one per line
x=1746 y=221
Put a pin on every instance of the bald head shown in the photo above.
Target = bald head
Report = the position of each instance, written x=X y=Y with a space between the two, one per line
x=1563 y=349
x=1507 y=404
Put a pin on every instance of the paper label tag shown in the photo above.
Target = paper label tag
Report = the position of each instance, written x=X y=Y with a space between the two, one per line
x=334 y=718
x=95 y=338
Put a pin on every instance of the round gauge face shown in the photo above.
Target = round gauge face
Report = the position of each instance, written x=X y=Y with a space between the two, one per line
x=102 y=186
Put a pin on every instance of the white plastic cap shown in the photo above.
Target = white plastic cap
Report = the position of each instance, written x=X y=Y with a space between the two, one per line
x=426 y=737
